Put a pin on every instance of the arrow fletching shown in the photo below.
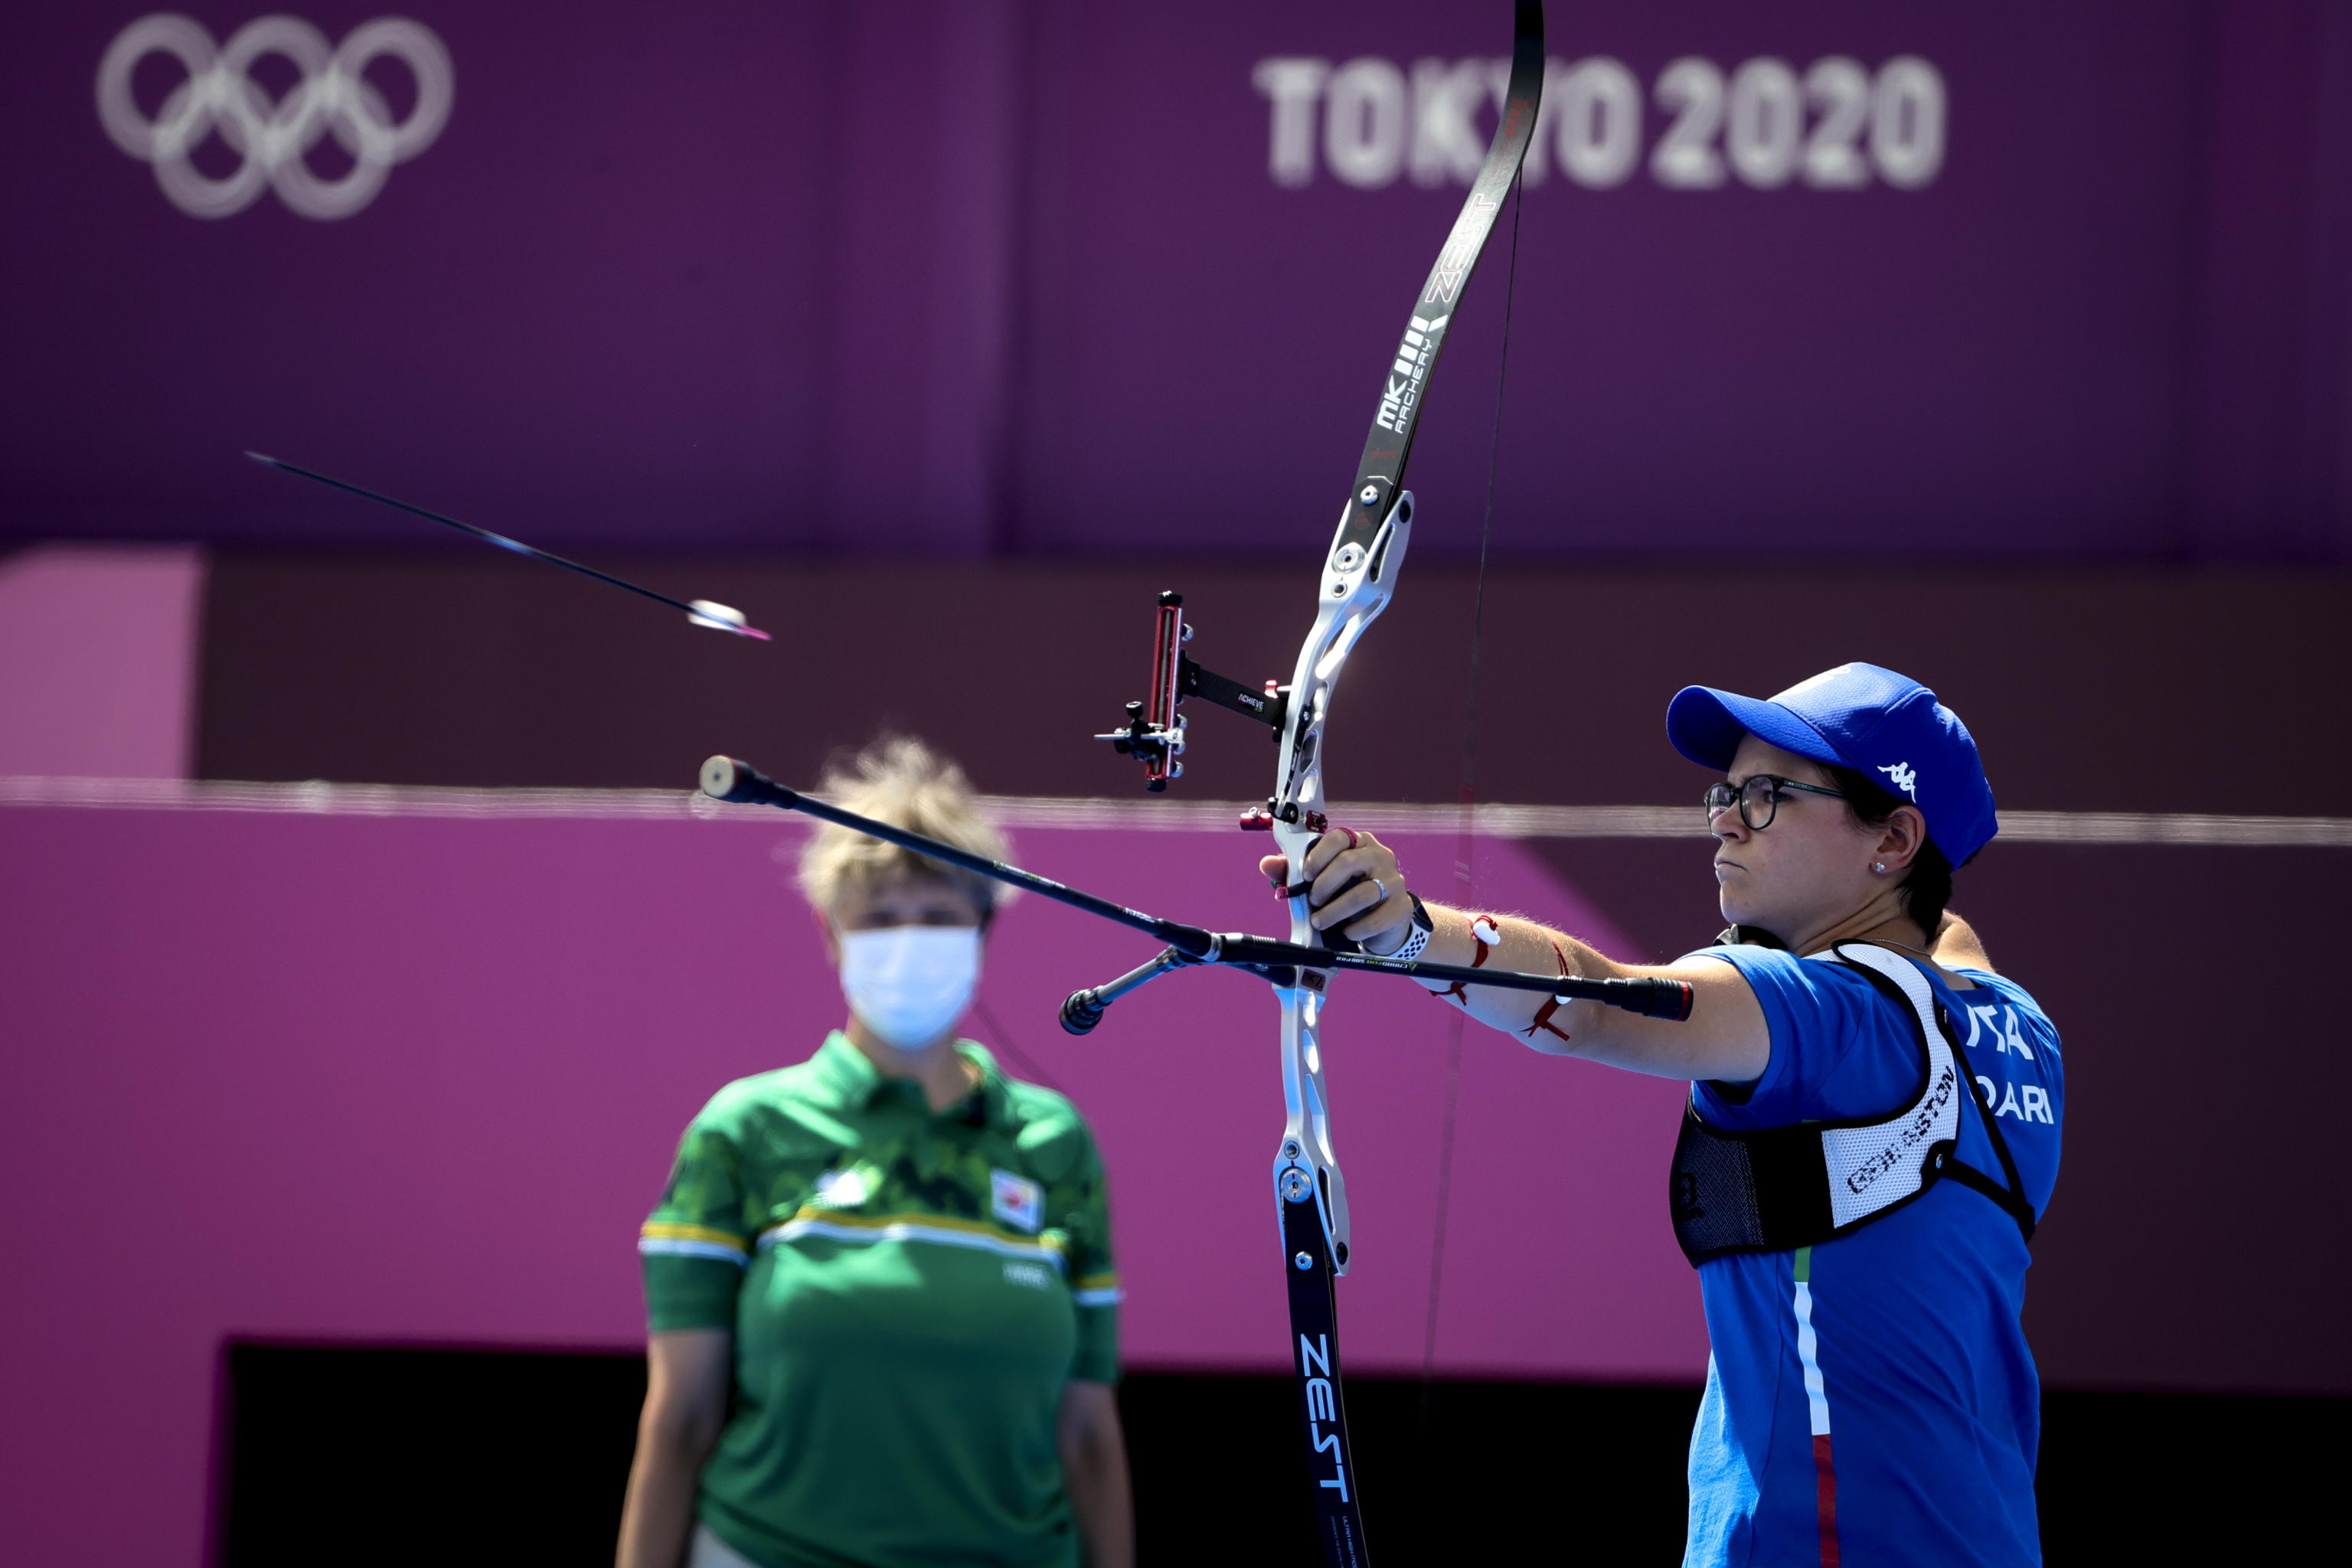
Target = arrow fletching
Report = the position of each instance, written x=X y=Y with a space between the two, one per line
x=720 y=617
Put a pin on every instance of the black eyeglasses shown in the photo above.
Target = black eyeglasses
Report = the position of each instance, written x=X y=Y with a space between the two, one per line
x=1759 y=798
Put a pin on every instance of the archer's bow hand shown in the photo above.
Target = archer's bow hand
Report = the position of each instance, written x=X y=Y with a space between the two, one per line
x=1353 y=886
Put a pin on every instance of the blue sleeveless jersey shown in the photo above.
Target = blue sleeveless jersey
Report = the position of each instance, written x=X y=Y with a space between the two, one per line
x=1870 y=1400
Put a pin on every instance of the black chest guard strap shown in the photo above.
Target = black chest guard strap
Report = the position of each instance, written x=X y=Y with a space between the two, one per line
x=1787 y=1187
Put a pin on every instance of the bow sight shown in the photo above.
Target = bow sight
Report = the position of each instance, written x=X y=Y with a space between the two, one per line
x=1155 y=729
x=1155 y=734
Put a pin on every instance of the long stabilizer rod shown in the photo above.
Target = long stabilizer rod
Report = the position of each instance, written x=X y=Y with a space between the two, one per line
x=724 y=778
x=702 y=612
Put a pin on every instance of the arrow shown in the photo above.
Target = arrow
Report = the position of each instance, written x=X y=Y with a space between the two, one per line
x=702 y=612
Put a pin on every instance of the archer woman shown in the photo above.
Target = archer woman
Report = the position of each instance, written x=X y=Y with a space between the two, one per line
x=883 y=1316
x=1871 y=1136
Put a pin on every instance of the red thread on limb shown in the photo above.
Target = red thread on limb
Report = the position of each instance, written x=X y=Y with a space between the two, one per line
x=1480 y=940
x=1551 y=1005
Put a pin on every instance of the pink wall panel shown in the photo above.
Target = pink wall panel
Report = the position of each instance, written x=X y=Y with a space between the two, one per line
x=98 y=661
x=412 y=1078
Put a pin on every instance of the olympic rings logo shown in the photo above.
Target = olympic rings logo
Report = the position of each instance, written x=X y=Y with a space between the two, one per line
x=274 y=139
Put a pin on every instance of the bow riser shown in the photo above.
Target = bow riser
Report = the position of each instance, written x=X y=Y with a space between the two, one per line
x=1359 y=579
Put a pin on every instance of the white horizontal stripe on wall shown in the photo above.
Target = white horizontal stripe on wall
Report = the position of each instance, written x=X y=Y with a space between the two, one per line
x=1139 y=814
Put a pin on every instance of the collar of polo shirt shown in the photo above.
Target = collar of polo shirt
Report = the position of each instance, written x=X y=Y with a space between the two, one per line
x=851 y=1081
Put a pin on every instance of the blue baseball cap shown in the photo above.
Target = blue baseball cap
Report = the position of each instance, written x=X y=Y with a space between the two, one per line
x=1884 y=726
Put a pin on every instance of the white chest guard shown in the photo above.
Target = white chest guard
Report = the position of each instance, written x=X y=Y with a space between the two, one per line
x=1784 y=1187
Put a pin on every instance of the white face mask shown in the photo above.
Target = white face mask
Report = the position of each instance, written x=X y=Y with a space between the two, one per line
x=910 y=984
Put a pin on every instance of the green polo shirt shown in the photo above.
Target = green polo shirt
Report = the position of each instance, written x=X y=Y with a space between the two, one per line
x=908 y=1290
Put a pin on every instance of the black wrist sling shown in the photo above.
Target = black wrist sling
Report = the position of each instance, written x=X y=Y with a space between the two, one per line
x=1786 y=1188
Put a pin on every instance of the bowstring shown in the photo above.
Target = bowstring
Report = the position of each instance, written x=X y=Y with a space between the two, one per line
x=1465 y=836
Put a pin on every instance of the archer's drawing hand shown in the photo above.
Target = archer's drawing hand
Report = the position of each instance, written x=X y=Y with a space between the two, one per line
x=1354 y=888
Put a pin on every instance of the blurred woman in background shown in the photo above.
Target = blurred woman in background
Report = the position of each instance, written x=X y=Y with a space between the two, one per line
x=882 y=1319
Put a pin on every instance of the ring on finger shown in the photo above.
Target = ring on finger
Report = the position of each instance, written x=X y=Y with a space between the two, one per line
x=1381 y=888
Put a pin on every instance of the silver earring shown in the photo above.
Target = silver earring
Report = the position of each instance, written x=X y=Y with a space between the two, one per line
x=1879 y=867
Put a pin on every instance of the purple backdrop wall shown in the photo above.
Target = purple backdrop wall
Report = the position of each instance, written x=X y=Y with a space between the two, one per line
x=1038 y=276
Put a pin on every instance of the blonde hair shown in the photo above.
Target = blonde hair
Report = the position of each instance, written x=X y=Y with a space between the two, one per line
x=898 y=780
